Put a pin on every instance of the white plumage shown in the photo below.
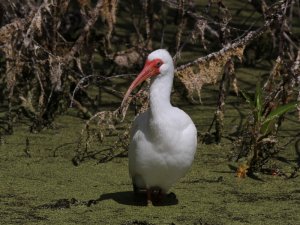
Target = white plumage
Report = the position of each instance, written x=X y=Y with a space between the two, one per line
x=164 y=138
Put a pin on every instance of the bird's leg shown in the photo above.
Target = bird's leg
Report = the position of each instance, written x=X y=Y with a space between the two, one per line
x=160 y=195
x=149 y=200
x=135 y=189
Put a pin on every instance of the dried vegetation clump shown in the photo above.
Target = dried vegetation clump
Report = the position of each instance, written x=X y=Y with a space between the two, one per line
x=208 y=70
x=56 y=54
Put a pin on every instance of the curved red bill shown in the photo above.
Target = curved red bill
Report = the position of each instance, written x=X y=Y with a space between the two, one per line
x=150 y=69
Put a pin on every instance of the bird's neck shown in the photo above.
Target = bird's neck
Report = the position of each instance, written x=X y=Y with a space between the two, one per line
x=160 y=92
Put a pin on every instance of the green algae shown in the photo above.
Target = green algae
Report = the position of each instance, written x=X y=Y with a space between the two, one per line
x=209 y=193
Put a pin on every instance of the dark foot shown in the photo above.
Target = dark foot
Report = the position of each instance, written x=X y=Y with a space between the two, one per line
x=161 y=198
x=149 y=197
x=135 y=189
x=155 y=196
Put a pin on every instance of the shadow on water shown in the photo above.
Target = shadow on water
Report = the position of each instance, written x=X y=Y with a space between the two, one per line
x=124 y=198
x=129 y=198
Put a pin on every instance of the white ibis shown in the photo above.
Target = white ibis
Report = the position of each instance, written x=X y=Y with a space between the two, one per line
x=164 y=138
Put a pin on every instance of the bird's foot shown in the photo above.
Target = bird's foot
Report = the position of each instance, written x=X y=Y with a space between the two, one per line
x=158 y=196
x=155 y=196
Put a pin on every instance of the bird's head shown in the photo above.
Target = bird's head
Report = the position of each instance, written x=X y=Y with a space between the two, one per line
x=158 y=63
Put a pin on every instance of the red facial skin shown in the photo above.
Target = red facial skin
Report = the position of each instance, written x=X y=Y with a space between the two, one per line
x=150 y=69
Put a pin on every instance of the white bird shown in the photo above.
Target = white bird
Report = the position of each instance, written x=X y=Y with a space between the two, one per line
x=164 y=138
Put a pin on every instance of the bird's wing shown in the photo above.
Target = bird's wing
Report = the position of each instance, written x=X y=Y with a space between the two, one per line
x=137 y=140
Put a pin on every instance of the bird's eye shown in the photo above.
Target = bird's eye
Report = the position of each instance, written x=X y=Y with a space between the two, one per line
x=158 y=64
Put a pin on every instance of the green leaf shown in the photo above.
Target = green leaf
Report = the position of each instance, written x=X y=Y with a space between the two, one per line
x=248 y=98
x=258 y=101
x=280 y=111
x=267 y=127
